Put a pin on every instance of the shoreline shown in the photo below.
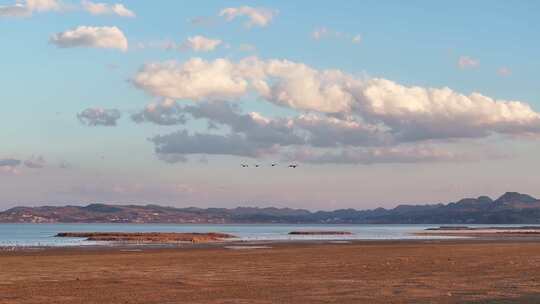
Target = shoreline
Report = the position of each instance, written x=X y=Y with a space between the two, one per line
x=112 y=246
x=104 y=239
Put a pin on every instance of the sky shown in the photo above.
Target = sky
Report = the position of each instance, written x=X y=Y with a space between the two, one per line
x=379 y=103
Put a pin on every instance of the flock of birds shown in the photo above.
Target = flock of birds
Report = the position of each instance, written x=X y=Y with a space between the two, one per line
x=272 y=165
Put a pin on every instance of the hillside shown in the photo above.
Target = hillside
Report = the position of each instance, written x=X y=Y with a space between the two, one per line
x=512 y=207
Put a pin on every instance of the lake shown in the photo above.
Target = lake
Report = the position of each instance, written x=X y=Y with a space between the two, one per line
x=43 y=234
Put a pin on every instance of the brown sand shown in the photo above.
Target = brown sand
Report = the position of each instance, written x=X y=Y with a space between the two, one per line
x=465 y=271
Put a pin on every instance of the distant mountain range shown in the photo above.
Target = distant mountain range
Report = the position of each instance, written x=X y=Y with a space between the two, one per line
x=512 y=207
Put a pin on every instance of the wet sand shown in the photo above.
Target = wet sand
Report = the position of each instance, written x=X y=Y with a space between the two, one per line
x=450 y=271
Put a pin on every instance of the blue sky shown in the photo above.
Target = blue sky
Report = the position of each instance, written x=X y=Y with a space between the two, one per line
x=441 y=153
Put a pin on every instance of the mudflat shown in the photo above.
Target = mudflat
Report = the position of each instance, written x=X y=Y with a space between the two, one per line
x=149 y=237
x=450 y=271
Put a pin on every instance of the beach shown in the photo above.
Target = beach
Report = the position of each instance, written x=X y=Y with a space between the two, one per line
x=406 y=271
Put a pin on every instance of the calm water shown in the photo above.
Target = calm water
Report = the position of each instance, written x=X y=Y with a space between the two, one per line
x=43 y=234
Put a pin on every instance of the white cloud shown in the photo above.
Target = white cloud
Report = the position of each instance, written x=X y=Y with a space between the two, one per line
x=406 y=113
x=107 y=9
x=201 y=44
x=91 y=37
x=416 y=113
x=28 y=7
x=196 y=79
x=465 y=62
x=122 y=11
x=96 y=8
x=297 y=85
x=354 y=119
x=99 y=117
x=257 y=16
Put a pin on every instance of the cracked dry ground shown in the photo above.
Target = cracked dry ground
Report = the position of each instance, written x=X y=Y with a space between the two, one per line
x=360 y=272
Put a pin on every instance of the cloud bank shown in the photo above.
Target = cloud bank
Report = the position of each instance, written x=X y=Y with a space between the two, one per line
x=340 y=117
x=408 y=112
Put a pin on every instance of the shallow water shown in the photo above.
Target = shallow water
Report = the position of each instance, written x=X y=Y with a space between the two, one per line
x=43 y=234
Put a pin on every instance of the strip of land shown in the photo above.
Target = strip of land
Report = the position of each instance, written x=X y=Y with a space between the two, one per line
x=321 y=232
x=149 y=237
x=491 y=232
x=450 y=271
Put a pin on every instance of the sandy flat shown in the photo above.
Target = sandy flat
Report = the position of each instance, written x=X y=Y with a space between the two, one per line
x=462 y=271
x=476 y=232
